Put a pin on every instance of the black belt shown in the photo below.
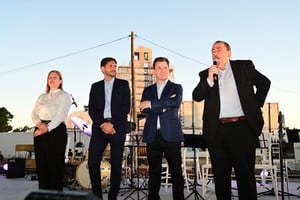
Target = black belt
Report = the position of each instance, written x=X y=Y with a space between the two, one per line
x=231 y=119
x=107 y=119
x=46 y=121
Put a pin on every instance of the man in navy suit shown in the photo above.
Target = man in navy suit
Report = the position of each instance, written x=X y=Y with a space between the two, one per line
x=109 y=105
x=162 y=131
x=232 y=119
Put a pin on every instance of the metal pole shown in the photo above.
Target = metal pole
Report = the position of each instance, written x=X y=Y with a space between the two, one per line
x=280 y=121
x=134 y=114
x=269 y=116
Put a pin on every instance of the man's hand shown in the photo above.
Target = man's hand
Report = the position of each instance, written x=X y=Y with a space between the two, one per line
x=108 y=128
x=144 y=105
x=211 y=71
x=173 y=96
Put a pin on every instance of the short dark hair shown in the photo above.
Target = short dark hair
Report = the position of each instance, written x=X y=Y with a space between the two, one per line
x=161 y=59
x=225 y=43
x=105 y=60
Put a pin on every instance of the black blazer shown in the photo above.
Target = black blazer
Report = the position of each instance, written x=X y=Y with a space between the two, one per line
x=120 y=105
x=246 y=78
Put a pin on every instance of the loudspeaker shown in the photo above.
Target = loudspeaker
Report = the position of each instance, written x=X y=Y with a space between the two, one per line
x=293 y=135
x=54 y=195
x=16 y=168
x=193 y=140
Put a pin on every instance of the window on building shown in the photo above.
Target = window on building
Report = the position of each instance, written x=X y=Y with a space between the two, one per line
x=146 y=57
x=136 y=56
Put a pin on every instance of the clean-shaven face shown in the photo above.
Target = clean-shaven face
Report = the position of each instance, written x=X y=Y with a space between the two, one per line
x=220 y=53
x=161 y=71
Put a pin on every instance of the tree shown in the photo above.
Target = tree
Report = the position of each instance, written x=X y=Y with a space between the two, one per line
x=23 y=129
x=5 y=119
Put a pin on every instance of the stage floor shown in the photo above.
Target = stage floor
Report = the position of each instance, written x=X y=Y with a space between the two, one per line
x=19 y=188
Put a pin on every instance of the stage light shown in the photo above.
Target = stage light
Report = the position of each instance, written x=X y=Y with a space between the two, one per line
x=5 y=168
x=82 y=125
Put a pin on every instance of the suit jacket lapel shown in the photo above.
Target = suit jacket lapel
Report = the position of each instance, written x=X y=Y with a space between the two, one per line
x=154 y=91
x=166 y=88
x=236 y=74
x=102 y=91
x=114 y=89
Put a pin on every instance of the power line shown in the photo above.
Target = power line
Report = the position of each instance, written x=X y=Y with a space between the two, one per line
x=61 y=57
x=175 y=52
x=288 y=90
x=94 y=47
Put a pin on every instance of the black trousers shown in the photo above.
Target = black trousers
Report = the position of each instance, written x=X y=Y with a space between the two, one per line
x=97 y=146
x=234 y=146
x=172 y=151
x=50 y=151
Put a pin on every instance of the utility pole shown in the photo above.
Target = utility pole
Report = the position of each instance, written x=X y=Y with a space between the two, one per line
x=133 y=102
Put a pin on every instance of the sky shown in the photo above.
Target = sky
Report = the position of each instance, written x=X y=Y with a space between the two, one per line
x=73 y=36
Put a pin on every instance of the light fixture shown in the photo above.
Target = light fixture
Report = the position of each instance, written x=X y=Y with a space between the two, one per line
x=5 y=168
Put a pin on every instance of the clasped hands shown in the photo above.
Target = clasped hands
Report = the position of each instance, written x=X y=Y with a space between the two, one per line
x=41 y=129
x=108 y=128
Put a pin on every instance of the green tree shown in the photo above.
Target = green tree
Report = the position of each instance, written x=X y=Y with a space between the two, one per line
x=5 y=119
x=23 y=129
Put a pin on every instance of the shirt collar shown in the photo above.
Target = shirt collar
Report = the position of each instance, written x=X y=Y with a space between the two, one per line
x=163 y=84
x=109 y=81
x=54 y=91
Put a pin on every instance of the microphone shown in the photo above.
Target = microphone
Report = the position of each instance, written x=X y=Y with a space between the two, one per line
x=74 y=102
x=215 y=75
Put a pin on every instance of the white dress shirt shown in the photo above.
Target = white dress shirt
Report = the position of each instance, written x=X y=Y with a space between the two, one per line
x=108 y=86
x=230 y=105
x=53 y=106
x=160 y=88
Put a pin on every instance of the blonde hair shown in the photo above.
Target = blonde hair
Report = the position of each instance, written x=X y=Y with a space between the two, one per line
x=60 y=78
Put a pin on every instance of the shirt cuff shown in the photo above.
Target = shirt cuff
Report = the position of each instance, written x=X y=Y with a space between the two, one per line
x=210 y=83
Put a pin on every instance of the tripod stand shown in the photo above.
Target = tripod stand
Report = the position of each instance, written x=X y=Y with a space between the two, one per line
x=73 y=162
x=136 y=188
x=192 y=140
x=280 y=132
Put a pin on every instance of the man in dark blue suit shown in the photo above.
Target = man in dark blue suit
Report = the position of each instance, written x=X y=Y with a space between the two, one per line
x=233 y=92
x=162 y=131
x=109 y=105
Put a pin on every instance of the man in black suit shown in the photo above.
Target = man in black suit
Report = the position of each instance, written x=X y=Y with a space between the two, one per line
x=109 y=105
x=232 y=119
